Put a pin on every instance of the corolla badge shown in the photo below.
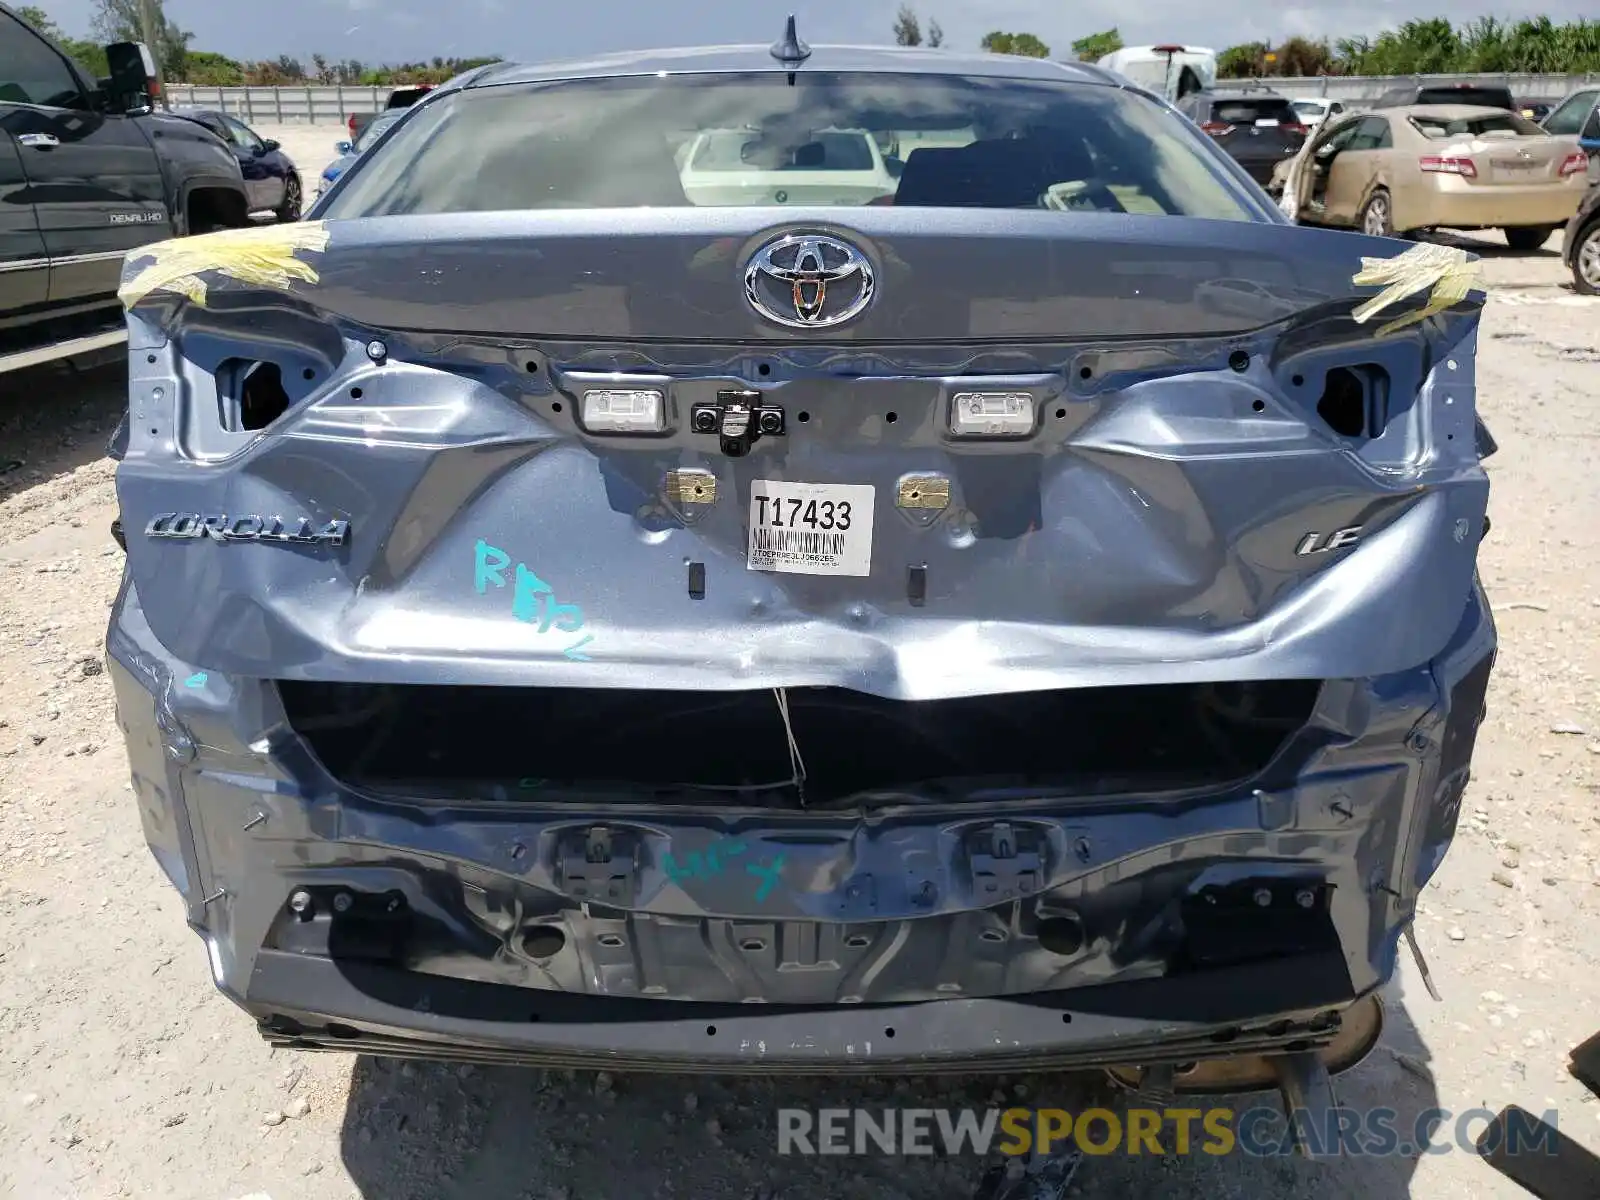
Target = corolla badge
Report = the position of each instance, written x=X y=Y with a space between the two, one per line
x=809 y=281
x=248 y=528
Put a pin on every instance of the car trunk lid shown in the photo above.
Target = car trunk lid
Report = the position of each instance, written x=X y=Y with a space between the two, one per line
x=388 y=474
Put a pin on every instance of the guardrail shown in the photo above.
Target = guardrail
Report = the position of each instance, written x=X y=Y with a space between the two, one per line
x=319 y=104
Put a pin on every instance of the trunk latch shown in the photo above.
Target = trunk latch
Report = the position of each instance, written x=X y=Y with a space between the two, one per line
x=739 y=420
x=598 y=864
x=1006 y=862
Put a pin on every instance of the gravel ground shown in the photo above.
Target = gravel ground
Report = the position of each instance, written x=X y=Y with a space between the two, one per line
x=123 y=1073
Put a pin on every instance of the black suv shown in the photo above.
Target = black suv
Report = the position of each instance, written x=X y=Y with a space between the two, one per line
x=1258 y=128
x=89 y=170
x=1482 y=95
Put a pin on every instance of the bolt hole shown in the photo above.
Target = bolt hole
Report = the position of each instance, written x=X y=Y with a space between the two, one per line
x=532 y=367
x=711 y=1031
x=153 y=431
x=1258 y=405
x=1060 y=413
x=1449 y=437
x=1066 y=1018
x=888 y=1031
x=308 y=373
x=916 y=495
x=892 y=418
x=804 y=417
x=1298 y=380
x=753 y=945
x=610 y=940
x=992 y=935
x=355 y=393
x=556 y=407
x=149 y=358
x=1085 y=373
x=856 y=941
x=764 y=369
x=1239 y=361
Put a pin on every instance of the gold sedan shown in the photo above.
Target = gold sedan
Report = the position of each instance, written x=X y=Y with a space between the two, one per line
x=1435 y=166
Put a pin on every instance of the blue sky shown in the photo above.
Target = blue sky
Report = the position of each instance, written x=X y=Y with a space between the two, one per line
x=530 y=30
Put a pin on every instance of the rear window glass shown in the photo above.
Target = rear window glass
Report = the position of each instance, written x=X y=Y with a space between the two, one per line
x=1569 y=116
x=829 y=139
x=1487 y=97
x=1502 y=123
x=1248 y=112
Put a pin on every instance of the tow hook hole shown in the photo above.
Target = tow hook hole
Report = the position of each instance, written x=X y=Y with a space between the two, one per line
x=1239 y=361
x=803 y=417
x=543 y=941
x=610 y=940
x=711 y=1031
x=1257 y=405
x=753 y=945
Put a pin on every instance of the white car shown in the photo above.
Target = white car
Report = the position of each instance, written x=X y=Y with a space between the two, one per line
x=1315 y=112
x=741 y=166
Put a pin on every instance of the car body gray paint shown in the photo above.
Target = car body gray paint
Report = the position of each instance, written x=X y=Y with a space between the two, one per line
x=1181 y=487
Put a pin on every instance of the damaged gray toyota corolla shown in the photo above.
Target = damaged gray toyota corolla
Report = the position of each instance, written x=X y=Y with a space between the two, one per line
x=837 y=560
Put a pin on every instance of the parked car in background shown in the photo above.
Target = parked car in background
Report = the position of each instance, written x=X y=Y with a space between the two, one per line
x=90 y=169
x=742 y=166
x=1579 y=116
x=1257 y=127
x=271 y=180
x=1437 y=166
x=1314 y=111
x=349 y=151
x=1580 y=249
x=1169 y=70
x=1480 y=95
x=401 y=97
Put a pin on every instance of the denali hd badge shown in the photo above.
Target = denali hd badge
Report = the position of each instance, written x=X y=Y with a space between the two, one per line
x=220 y=528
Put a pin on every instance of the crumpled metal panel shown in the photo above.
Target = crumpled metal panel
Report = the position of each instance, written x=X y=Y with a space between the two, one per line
x=1146 y=533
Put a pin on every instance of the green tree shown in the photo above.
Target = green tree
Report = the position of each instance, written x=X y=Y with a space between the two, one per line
x=1242 y=62
x=210 y=69
x=118 y=21
x=1097 y=45
x=1025 y=44
x=907 y=28
x=91 y=56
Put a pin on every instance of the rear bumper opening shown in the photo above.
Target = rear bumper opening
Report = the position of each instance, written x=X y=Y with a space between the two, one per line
x=483 y=742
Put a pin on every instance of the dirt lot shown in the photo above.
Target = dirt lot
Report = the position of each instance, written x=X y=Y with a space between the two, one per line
x=122 y=1073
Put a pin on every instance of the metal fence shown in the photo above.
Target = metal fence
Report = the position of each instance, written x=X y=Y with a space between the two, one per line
x=331 y=105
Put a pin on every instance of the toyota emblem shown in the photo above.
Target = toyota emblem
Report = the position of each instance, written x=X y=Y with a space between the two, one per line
x=809 y=281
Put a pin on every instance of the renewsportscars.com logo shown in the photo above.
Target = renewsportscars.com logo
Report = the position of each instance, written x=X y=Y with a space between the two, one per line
x=1261 y=1132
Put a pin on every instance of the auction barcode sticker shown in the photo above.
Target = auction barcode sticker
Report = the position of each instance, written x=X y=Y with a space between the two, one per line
x=810 y=528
